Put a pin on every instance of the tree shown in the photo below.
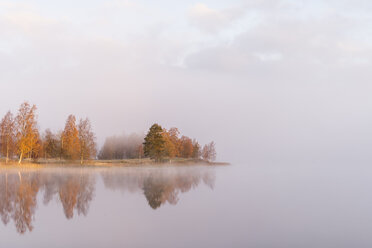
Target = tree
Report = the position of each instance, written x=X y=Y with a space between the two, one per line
x=86 y=140
x=196 y=152
x=186 y=147
x=170 y=148
x=140 y=151
x=122 y=147
x=51 y=144
x=209 y=152
x=154 y=144
x=70 y=139
x=37 y=148
x=173 y=136
x=26 y=129
x=7 y=135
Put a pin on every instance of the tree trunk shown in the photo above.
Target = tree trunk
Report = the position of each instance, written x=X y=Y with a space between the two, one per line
x=81 y=158
x=7 y=154
x=20 y=158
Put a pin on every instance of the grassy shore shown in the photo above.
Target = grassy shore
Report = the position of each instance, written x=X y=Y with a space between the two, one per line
x=43 y=163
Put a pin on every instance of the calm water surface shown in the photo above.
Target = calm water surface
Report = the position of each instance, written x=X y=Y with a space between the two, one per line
x=193 y=206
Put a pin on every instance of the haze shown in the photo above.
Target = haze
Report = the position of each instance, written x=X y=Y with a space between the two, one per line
x=268 y=81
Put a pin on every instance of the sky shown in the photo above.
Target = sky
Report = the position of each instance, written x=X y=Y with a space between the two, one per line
x=284 y=81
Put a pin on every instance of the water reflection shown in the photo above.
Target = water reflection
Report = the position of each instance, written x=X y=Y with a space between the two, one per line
x=159 y=186
x=75 y=189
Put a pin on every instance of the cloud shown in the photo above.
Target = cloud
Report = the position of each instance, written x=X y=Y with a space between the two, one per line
x=287 y=82
x=211 y=20
x=289 y=42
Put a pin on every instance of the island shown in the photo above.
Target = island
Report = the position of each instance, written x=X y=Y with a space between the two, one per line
x=23 y=144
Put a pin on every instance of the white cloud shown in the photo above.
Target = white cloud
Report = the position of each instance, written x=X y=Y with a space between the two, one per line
x=211 y=20
x=283 y=69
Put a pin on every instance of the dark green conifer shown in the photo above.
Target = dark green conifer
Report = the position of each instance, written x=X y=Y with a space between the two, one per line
x=154 y=144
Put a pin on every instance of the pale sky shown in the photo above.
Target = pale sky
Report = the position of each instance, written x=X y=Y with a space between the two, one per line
x=275 y=81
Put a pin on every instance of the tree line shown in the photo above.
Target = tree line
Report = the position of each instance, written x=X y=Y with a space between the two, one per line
x=160 y=143
x=122 y=147
x=20 y=138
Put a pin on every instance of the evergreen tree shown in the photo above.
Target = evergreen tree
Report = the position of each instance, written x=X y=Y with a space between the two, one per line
x=154 y=144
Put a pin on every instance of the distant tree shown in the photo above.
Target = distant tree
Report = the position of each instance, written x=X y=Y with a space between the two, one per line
x=122 y=147
x=108 y=149
x=196 y=149
x=70 y=139
x=7 y=136
x=60 y=144
x=51 y=145
x=186 y=147
x=86 y=140
x=26 y=131
x=154 y=144
x=140 y=151
x=209 y=152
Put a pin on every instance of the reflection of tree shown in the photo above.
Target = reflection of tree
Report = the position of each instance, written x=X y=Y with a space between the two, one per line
x=18 y=194
x=157 y=192
x=25 y=202
x=76 y=193
x=5 y=199
x=75 y=189
x=68 y=194
x=18 y=199
x=159 y=185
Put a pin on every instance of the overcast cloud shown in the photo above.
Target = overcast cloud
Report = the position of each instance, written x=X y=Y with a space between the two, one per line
x=274 y=81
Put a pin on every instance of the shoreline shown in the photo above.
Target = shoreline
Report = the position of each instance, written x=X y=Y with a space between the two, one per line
x=50 y=163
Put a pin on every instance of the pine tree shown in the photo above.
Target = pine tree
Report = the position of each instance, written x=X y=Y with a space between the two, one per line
x=154 y=144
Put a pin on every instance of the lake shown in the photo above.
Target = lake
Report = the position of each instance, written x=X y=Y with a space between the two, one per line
x=186 y=206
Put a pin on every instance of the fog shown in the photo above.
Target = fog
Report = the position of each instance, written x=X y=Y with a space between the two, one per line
x=187 y=206
x=271 y=82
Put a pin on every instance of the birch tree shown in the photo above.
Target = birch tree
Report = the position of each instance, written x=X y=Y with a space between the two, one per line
x=7 y=136
x=209 y=152
x=86 y=140
x=27 y=133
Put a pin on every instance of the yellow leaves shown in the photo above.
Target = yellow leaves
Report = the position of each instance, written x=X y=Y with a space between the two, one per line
x=27 y=132
x=70 y=139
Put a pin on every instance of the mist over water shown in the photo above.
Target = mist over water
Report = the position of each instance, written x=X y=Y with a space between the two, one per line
x=189 y=206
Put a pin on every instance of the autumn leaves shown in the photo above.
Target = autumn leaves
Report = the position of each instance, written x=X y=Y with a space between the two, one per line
x=160 y=143
x=20 y=137
x=78 y=141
